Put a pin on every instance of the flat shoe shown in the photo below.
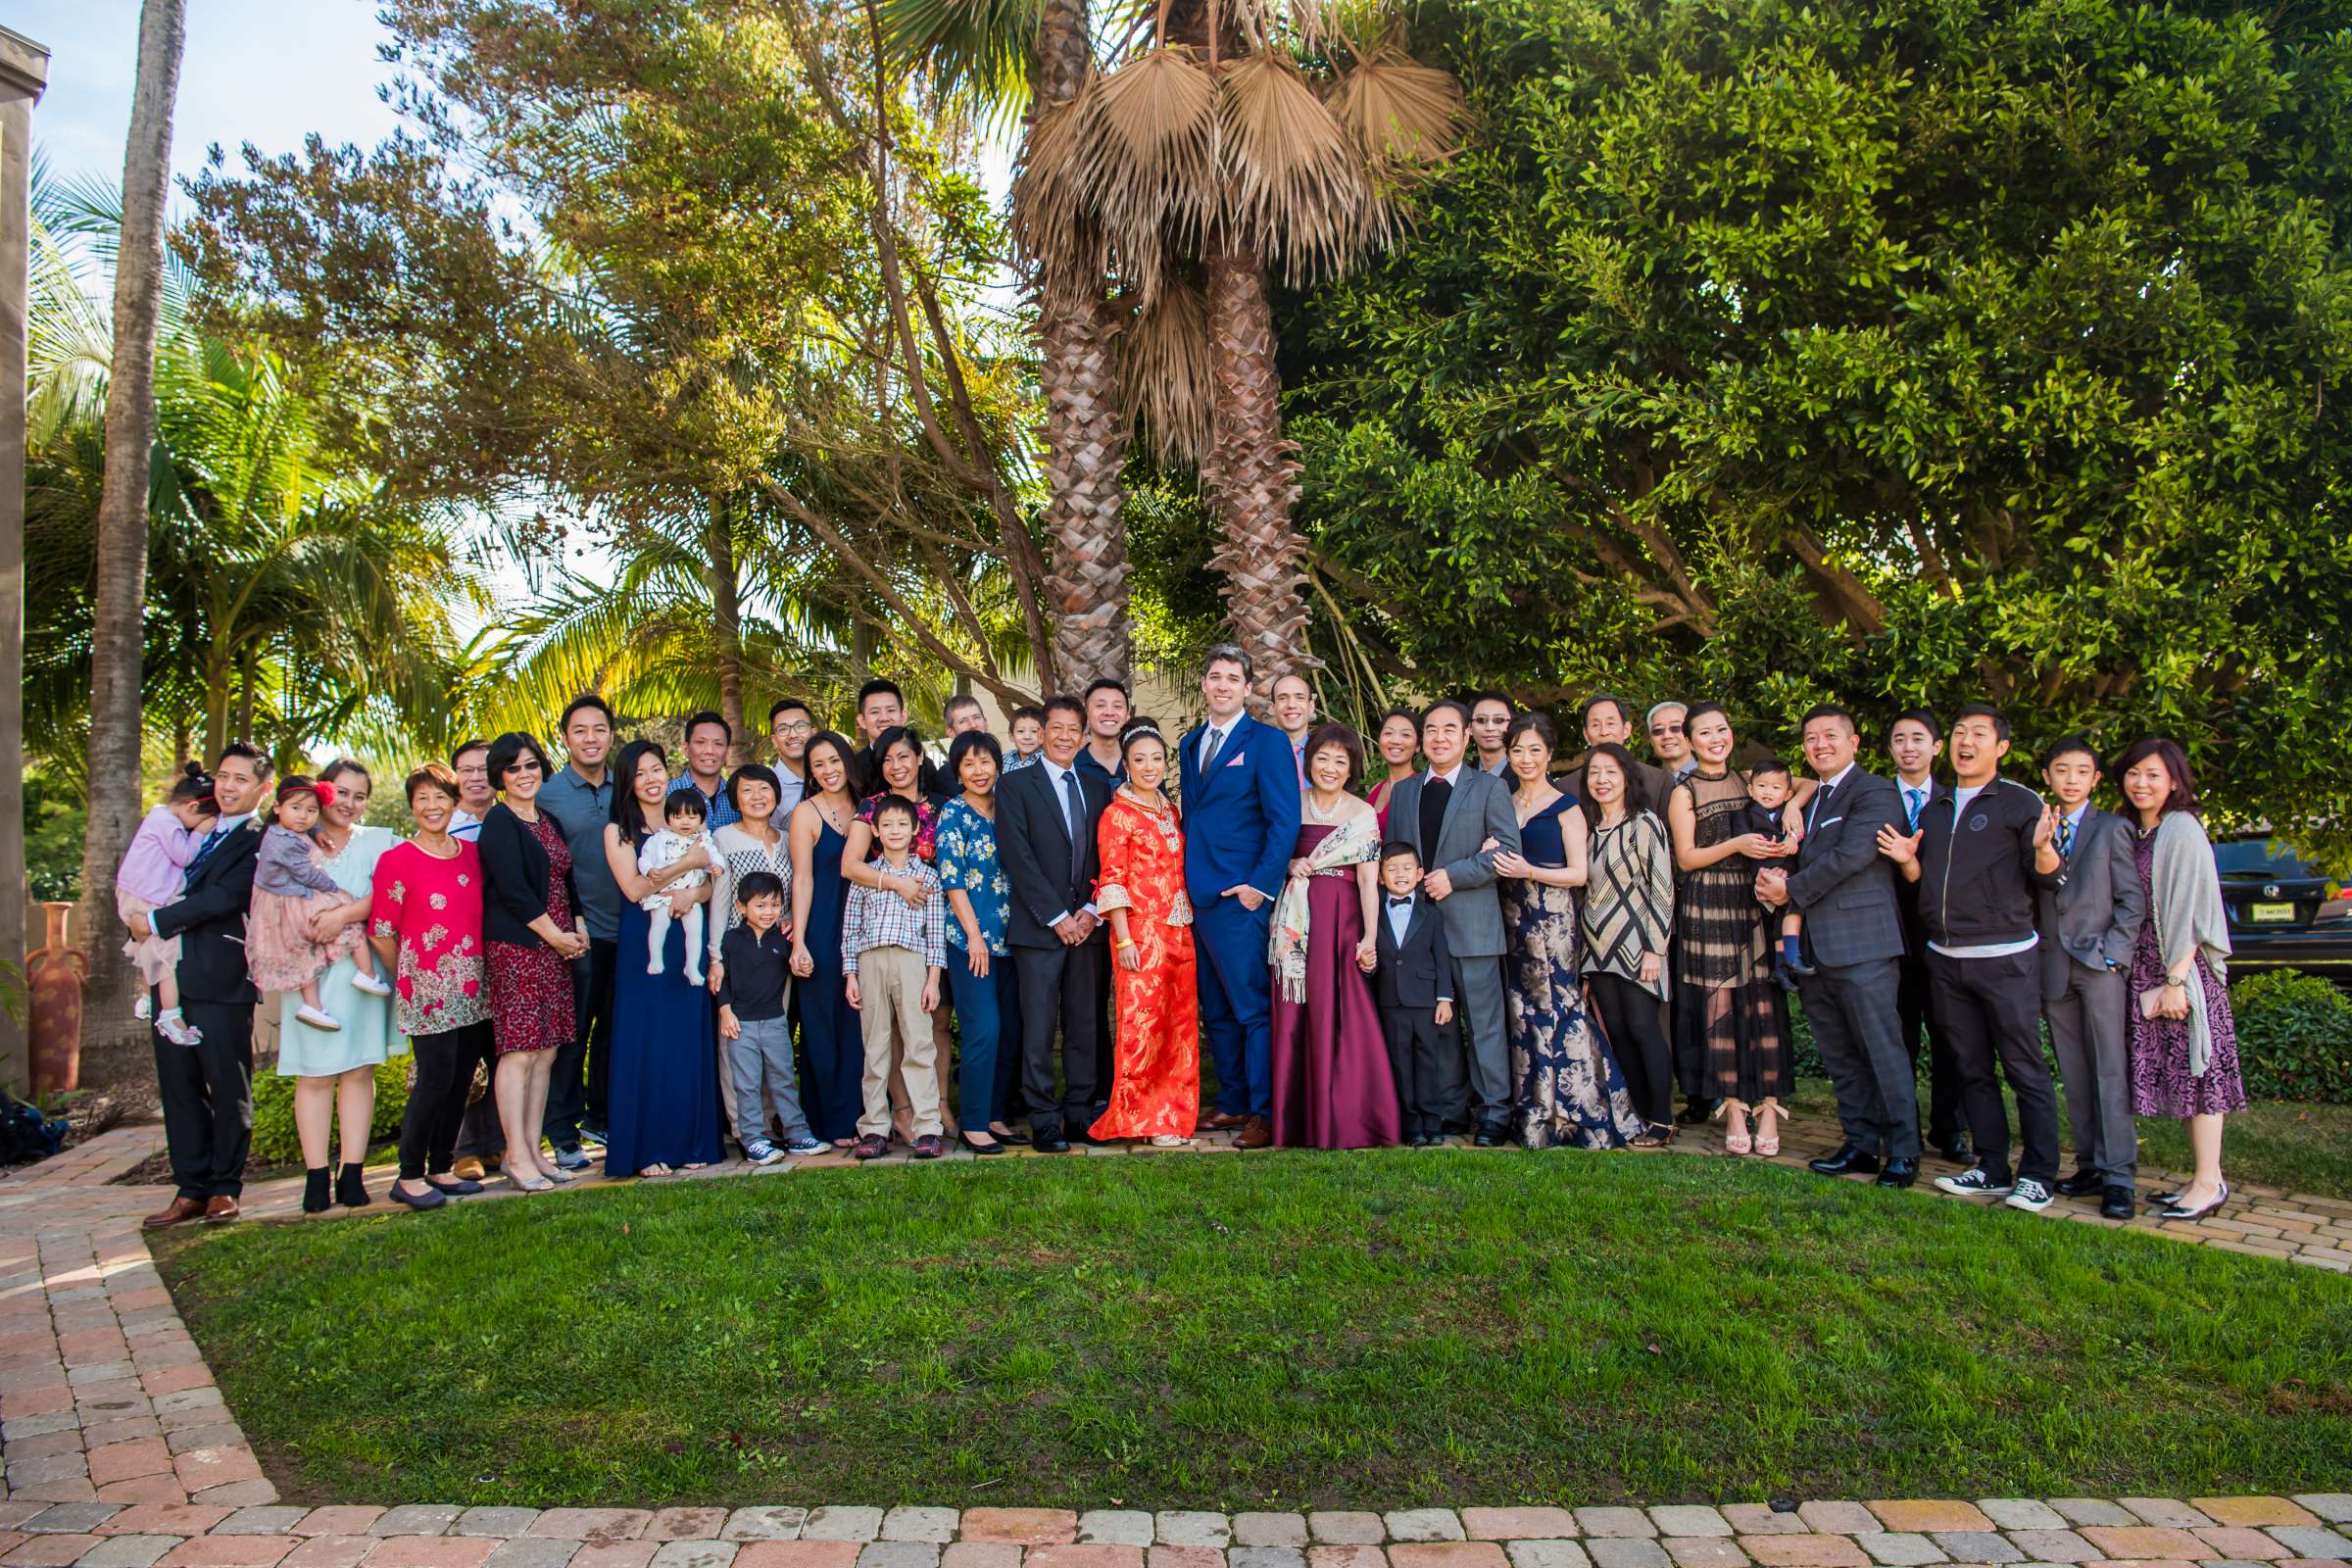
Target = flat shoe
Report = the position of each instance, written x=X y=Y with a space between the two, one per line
x=431 y=1198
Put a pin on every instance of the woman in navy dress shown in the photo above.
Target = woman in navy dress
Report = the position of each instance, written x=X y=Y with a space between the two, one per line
x=1569 y=1090
x=664 y=1074
x=833 y=1092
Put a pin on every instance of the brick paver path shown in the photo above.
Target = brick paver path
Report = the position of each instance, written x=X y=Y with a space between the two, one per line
x=117 y=1451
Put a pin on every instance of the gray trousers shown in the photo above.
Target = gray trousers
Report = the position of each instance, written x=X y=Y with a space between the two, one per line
x=1858 y=1028
x=1478 y=1007
x=2089 y=1027
x=760 y=1065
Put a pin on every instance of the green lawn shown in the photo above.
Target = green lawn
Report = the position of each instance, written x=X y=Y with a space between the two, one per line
x=2296 y=1146
x=1286 y=1330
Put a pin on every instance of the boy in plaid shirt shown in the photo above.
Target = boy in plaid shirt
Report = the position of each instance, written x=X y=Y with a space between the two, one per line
x=893 y=954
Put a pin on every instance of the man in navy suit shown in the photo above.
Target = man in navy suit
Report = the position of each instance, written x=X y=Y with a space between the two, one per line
x=1240 y=788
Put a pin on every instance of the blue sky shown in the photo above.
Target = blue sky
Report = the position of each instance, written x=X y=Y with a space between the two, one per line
x=266 y=71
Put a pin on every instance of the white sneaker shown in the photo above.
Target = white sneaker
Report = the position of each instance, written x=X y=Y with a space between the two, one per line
x=173 y=1027
x=759 y=1151
x=143 y=1008
x=372 y=983
x=316 y=1018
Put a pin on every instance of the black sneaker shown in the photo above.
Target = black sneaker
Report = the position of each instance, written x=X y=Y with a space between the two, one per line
x=2030 y=1195
x=1977 y=1182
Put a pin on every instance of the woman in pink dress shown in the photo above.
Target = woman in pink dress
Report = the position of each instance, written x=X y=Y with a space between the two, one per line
x=1333 y=1085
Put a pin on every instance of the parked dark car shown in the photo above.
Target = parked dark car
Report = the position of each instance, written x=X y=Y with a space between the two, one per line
x=2285 y=913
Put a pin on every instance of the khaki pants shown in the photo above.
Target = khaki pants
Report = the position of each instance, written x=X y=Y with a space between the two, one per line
x=891 y=982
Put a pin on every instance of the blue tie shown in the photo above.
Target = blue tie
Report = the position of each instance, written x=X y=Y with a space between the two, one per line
x=2066 y=837
x=203 y=851
x=1915 y=797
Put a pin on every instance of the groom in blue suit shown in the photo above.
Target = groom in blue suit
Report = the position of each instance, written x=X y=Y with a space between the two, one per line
x=1240 y=793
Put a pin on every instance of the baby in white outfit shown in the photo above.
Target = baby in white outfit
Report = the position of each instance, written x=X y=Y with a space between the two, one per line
x=685 y=813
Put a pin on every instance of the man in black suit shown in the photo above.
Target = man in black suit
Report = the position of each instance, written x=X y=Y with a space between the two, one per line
x=1414 y=986
x=1045 y=816
x=208 y=1087
x=1915 y=741
x=1855 y=937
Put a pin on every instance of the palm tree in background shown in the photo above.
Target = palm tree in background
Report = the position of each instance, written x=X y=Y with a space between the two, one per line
x=1034 y=58
x=117 y=643
x=1235 y=137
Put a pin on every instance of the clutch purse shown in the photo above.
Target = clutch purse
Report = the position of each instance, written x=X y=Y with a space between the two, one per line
x=2149 y=1002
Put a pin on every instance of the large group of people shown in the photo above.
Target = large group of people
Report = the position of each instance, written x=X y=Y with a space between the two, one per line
x=862 y=945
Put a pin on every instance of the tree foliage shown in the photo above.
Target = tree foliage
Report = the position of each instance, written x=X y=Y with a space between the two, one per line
x=699 y=278
x=1898 y=351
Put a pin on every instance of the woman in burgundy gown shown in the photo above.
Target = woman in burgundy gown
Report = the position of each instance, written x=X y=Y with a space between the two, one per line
x=1333 y=1086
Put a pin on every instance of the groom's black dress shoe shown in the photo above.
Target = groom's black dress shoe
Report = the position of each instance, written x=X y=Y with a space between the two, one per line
x=2081 y=1183
x=1847 y=1162
x=1491 y=1134
x=1050 y=1144
x=1899 y=1173
x=2116 y=1202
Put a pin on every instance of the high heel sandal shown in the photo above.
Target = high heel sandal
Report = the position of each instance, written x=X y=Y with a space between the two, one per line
x=1734 y=1142
x=1768 y=1136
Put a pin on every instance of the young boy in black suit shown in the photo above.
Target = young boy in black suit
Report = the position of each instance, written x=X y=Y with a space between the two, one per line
x=1414 y=987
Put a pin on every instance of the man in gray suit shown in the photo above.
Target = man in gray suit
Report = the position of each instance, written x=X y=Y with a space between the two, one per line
x=2089 y=921
x=1458 y=819
x=1854 y=937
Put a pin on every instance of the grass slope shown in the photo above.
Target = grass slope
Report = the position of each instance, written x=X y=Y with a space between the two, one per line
x=1283 y=1329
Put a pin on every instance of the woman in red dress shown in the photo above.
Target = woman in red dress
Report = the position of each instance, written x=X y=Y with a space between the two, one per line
x=1156 y=1073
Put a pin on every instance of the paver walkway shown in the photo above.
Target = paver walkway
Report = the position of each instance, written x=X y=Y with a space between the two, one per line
x=117 y=1451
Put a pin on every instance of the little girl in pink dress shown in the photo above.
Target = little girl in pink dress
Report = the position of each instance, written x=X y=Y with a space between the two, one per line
x=154 y=870
x=289 y=888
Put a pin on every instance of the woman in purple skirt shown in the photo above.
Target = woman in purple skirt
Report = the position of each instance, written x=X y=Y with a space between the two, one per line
x=2184 y=1040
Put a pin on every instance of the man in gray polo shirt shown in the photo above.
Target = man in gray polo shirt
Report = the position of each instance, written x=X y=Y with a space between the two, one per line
x=580 y=796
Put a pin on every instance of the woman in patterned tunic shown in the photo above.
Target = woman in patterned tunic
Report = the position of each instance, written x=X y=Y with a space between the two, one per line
x=1568 y=1089
x=1629 y=918
x=1728 y=1016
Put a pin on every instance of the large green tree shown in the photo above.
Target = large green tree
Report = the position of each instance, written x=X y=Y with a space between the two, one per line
x=1889 y=350
x=740 y=335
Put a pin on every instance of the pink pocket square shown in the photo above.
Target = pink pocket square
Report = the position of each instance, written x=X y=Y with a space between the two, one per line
x=1237 y=759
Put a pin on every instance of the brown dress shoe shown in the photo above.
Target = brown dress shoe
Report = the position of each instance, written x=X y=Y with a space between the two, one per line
x=220 y=1210
x=469 y=1169
x=178 y=1212
x=1256 y=1135
x=1225 y=1121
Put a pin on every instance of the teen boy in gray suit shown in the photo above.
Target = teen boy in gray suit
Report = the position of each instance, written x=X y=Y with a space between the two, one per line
x=2089 y=921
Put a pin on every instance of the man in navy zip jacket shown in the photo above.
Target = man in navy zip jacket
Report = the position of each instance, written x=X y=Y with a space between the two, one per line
x=1979 y=857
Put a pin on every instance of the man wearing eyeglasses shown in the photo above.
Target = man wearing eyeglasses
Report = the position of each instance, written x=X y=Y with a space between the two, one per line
x=789 y=726
x=1667 y=741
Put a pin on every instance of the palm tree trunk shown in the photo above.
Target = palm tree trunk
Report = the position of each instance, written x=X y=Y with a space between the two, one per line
x=1085 y=439
x=726 y=606
x=1252 y=475
x=118 y=639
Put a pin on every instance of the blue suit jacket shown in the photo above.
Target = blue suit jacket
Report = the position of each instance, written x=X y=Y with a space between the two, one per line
x=1241 y=823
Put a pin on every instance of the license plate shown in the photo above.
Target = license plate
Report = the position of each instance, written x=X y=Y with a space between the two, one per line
x=2270 y=914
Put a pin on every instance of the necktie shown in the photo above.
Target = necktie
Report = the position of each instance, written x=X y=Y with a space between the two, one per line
x=203 y=851
x=1915 y=799
x=1208 y=752
x=1821 y=798
x=2066 y=837
x=1076 y=804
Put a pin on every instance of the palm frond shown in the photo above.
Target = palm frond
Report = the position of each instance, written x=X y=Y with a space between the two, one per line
x=1295 y=187
x=1165 y=383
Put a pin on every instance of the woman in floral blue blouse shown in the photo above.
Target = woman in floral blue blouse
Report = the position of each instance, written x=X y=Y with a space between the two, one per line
x=988 y=998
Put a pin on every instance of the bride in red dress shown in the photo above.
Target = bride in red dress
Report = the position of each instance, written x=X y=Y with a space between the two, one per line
x=1155 y=1078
